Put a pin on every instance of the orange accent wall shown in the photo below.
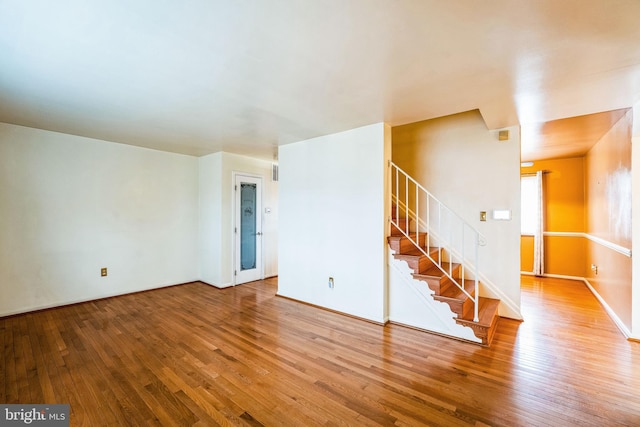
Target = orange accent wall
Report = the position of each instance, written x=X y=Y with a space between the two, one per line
x=608 y=216
x=526 y=253
x=564 y=195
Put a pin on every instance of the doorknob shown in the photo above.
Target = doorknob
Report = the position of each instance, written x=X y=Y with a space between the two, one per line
x=258 y=234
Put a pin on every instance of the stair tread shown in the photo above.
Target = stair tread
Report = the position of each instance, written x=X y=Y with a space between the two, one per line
x=402 y=236
x=426 y=269
x=487 y=310
x=451 y=291
x=402 y=222
x=400 y=241
x=395 y=230
x=416 y=252
x=434 y=271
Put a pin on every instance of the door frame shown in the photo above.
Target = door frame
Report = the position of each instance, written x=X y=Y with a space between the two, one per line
x=235 y=230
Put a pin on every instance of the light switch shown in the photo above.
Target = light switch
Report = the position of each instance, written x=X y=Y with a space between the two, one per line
x=502 y=215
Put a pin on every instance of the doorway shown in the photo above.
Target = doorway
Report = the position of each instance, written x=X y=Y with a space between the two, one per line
x=248 y=228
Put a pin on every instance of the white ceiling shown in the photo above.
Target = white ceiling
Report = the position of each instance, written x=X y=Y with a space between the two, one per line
x=200 y=76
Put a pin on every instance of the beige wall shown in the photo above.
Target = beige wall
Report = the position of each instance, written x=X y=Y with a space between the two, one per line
x=465 y=165
x=635 y=214
x=608 y=203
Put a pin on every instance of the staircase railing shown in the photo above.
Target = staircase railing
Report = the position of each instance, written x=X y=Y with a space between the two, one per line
x=443 y=229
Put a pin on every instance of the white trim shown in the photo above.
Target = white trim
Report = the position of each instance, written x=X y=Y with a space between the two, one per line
x=505 y=301
x=224 y=285
x=607 y=244
x=620 y=249
x=565 y=234
x=553 y=276
x=564 y=276
x=94 y=298
x=612 y=314
x=236 y=226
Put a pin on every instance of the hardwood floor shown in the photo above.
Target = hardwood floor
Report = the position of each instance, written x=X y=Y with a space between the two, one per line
x=195 y=355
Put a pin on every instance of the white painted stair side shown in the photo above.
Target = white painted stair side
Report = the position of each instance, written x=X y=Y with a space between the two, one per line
x=411 y=303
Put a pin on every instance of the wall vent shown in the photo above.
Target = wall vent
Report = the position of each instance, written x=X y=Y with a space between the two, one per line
x=274 y=172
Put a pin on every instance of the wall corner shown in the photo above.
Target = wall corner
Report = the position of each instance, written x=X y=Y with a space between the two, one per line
x=635 y=222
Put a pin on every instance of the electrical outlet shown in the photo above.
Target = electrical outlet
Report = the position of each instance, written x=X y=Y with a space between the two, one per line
x=331 y=284
x=103 y=271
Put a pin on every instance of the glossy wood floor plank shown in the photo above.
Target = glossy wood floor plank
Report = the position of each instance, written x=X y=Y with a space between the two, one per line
x=196 y=355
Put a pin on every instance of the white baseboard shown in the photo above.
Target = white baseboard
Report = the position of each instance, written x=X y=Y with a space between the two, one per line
x=509 y=308
x=225 y=285
x=612 y=314
x=553 y=276
x=82 y=300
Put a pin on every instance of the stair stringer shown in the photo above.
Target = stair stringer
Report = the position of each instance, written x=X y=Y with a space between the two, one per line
x=411 y=303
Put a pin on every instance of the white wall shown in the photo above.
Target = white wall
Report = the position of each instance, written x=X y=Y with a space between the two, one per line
x=635 y=224
x=463 y=164
x=71 y=205
x=210 y=223
x=333 y=222
x=216 y=197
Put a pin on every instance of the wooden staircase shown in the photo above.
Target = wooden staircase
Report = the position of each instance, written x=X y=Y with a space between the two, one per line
x=445 y=290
